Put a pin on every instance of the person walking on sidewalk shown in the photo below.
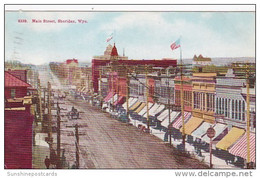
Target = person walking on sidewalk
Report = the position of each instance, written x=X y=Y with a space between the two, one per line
x=47 y=162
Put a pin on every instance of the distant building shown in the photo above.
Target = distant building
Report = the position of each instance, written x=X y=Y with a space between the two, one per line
x=72 y=70
x=97 y=64
x=107 y=54
x=200 y=60
x=72 y=62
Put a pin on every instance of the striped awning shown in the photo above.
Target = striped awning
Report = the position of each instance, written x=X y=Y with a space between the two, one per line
x=166 y=122
x=240 y=147
x=178 y=121
x=114 y=97
x=191 y=125
x=110 y=94
x=233 y=135
x=120 y=100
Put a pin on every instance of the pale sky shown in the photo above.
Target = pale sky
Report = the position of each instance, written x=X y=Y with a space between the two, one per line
x=144 y=35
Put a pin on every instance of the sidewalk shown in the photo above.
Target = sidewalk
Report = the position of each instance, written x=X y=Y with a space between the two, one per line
x=40 y=151
x=217 y=162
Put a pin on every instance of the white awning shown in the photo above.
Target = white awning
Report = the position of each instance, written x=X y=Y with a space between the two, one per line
x=163 y=115
x=159 y=109
x=219 y=128
x=130 y=103
x=201 y=130
x=152 y=110
x=144 y=110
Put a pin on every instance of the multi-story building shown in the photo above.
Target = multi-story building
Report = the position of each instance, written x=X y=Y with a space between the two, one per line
x=187 y=92
x=18 y=123
x=164 y=89
x=230 y=104
x=252 y=100
x=204 y=91
x=115 y=60
x=200 y=60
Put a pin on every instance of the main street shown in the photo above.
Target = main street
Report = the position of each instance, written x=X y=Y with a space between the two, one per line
x=108 y=143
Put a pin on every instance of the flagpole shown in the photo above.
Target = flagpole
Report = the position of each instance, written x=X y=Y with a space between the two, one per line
x=182 y=102
x=114 y=36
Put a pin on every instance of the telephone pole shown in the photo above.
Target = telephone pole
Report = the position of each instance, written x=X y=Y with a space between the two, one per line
x=99 y=87
x=182 y=110
x=50 y=138
x=169 y=95
x=58 y=136
x=77 y=145
x=248 y=69
x=127 y=95
x=112 y=83
x=40 y=99
x=147 y=97
x=248 y=115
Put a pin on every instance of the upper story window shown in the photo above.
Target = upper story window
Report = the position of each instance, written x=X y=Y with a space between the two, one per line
x=13 y=93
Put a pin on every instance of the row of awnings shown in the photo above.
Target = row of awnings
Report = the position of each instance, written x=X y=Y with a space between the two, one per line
x=82 y=89
x=115 y=98
x=234 y=140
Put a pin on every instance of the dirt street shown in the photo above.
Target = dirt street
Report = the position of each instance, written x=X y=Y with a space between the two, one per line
x=108 y=143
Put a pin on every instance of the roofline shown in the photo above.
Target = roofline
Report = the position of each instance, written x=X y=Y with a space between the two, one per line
x=18 y=79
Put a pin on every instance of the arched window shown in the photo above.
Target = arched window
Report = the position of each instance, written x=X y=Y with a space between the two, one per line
x=221 y=106
x=243 y=111
x=229 y=108
x=233 y=105
x=236 y=108
x=226 y=107
x=219 y=103
x=239 y=110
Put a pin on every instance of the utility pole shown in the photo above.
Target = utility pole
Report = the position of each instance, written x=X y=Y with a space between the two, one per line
x=77 y=145
x=147 y=97
x=99 y=87
x=58 y=136
x=50 y=138
x=112 y=83
x=40 y=98
x=92 y=93
x=127 y=95
x=169 y=95
x=247 y=69
x=44 y=99
x=248 y=115
x=182 y=110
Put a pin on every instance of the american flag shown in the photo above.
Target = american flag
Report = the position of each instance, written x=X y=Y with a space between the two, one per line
x=176 y=44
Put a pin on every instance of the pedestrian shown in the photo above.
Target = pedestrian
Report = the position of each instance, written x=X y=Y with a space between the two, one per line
x=47 y=162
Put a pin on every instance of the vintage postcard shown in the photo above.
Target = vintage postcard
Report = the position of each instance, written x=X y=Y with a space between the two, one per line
x=130 y=87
